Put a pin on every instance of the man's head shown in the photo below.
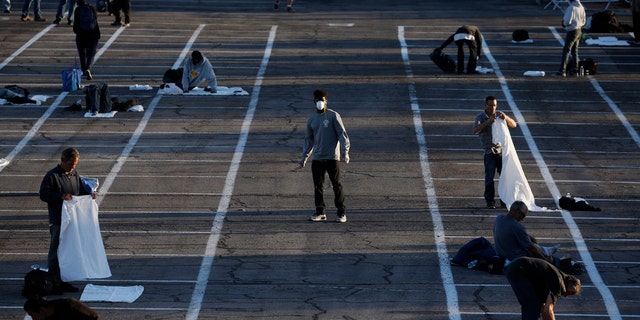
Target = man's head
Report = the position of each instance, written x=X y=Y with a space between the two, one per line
x=490 y=105
x=37 y=308
x=572 y=285
x=69 y=159
x=518 y=210
x=320 y=99
x=196 y=57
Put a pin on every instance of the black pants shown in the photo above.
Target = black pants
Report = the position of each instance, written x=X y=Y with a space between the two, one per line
x=473 y=55
x=125 y=6
x=318 y=170
x=86 y=51
x=635 y=12
x=98 y=97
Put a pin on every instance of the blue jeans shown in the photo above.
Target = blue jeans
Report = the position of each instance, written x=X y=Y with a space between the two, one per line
x=492 y=163
x=571 y=43
x=6 y=5
x=61 y=7
x=36 y=8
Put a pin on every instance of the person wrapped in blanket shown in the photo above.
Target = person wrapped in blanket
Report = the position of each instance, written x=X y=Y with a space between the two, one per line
x=197 y=69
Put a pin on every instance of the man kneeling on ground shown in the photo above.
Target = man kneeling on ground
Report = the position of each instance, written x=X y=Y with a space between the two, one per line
x=197 y=69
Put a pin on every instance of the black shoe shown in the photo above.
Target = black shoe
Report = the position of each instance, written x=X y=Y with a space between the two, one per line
x=70 y=23
x=68 y=287
x=7 y=11
x=87 y=75
x=56 y=21
x=276 y=7
x=116 y=24
x=290 y=9
x=561 y=74
x=40 y=19
x=491 y=205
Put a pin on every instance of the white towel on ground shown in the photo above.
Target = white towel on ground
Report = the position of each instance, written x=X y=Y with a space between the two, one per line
x=111 y=293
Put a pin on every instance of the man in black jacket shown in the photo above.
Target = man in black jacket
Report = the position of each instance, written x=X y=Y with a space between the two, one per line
x=471 y=36
x=59 y=184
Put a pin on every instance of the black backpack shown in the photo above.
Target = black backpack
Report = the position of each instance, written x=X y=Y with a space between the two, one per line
x=86 y=19
x=37 y=282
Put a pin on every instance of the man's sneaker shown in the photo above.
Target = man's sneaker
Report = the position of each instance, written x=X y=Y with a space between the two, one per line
x=491 y=205
x=40 y=19
x=88 y=75
x=317 y=217
x=56 y=21
x=341 y=218
x=26 y=18
x=127 y=24
x=561 y=74
x=116 y=24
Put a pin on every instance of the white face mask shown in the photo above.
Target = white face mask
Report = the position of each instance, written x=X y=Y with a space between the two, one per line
x=320 y=105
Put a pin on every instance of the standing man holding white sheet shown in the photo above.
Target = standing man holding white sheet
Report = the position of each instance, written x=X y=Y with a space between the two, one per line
x=492 y=153
x=59 y=184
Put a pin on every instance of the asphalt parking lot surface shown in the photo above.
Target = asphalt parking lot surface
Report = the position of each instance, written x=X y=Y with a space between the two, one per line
x=202 y=201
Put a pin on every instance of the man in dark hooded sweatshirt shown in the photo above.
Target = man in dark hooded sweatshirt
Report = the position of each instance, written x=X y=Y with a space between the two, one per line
x=87 y=32
x=471 y=36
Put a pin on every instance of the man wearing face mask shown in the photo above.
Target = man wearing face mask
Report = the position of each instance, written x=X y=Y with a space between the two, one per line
x=327 y=139
x=197 y=69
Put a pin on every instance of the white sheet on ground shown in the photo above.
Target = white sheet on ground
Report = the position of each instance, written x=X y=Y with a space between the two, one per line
x=513 y=184
x=90 y=114
x=81 y=252
x=111 y=294
x=221 y=91
x=606 y=42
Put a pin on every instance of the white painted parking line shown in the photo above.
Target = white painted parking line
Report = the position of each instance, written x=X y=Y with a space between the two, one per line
x=581 y=246
x=207 y=260
x=439 y=237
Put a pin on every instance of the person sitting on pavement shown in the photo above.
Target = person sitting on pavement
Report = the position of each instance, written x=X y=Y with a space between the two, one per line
x=197 y=69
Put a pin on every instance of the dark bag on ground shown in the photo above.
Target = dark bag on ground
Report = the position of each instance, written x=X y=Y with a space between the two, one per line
x=173 y=76
x=18 y=90
x=37 y=282
x=98 y=98
x=479 y=254
x=570 y=204
x=443 y=61
x=520 y=35
x=589 y=66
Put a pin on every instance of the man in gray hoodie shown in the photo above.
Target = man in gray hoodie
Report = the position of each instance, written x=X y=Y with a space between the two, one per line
x=327 y=138
x=197 y=69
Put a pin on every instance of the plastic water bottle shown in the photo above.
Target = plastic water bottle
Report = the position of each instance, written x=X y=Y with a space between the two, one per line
x=472 y=264
x=39 y=267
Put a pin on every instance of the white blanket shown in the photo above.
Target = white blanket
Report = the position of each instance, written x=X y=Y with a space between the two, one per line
x=513 y=184
x=606 y=42
x=90 y=114
x=221 y=91
x=111 y=294
x=81 y=252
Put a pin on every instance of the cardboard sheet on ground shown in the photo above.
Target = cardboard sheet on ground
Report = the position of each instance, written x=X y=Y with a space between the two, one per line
x=513 y=184
x=222 y=91
x=111 y=293
x=81 y=252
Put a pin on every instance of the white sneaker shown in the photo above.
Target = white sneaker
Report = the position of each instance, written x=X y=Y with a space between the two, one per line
x=341 y=218
x=317 y=217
